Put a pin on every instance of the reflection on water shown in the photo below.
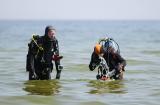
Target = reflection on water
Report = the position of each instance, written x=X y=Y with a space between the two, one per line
x=100 y=87
x=42 y=87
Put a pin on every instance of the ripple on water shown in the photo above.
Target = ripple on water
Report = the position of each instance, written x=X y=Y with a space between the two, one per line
x=152 y=52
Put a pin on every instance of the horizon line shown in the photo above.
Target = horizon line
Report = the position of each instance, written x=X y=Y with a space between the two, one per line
x=79 y=19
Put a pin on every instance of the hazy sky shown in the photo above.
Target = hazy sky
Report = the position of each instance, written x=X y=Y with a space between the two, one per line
x=80 y=9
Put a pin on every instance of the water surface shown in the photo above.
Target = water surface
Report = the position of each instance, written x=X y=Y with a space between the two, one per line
x=139 y=42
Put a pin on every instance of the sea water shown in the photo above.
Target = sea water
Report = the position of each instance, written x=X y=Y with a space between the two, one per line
x=139 y=43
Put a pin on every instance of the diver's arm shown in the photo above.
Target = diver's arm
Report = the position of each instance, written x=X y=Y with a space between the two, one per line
x=30 y=61
x=32 y=64
x=94 y=61
x=56 y=54
x=121 y=62
x=57 y=59
x=30 y=57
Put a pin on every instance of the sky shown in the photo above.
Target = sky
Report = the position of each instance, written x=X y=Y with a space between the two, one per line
x=79 y=9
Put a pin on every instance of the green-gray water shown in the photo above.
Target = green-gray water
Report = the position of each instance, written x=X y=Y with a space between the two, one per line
x=139 y=42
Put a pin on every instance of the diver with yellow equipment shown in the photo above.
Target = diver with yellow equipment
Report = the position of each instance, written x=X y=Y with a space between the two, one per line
x=41 y=52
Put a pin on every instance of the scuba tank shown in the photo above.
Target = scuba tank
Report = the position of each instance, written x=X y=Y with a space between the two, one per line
x=109 y=42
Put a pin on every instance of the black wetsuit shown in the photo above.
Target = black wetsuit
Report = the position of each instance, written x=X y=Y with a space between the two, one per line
x=113 y=60
x=39 y=62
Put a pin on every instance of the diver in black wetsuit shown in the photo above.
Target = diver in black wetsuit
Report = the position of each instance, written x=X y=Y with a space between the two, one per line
x=109 y=50
x=42 y=50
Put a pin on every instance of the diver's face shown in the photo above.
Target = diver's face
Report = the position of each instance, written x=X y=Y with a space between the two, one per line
x=51 y=34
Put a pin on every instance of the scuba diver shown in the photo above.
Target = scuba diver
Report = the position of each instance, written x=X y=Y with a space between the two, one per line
x=106 y=56
x=42 y=50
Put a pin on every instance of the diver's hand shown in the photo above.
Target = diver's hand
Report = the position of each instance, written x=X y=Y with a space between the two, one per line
x=92 y=67
x=119 y=67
